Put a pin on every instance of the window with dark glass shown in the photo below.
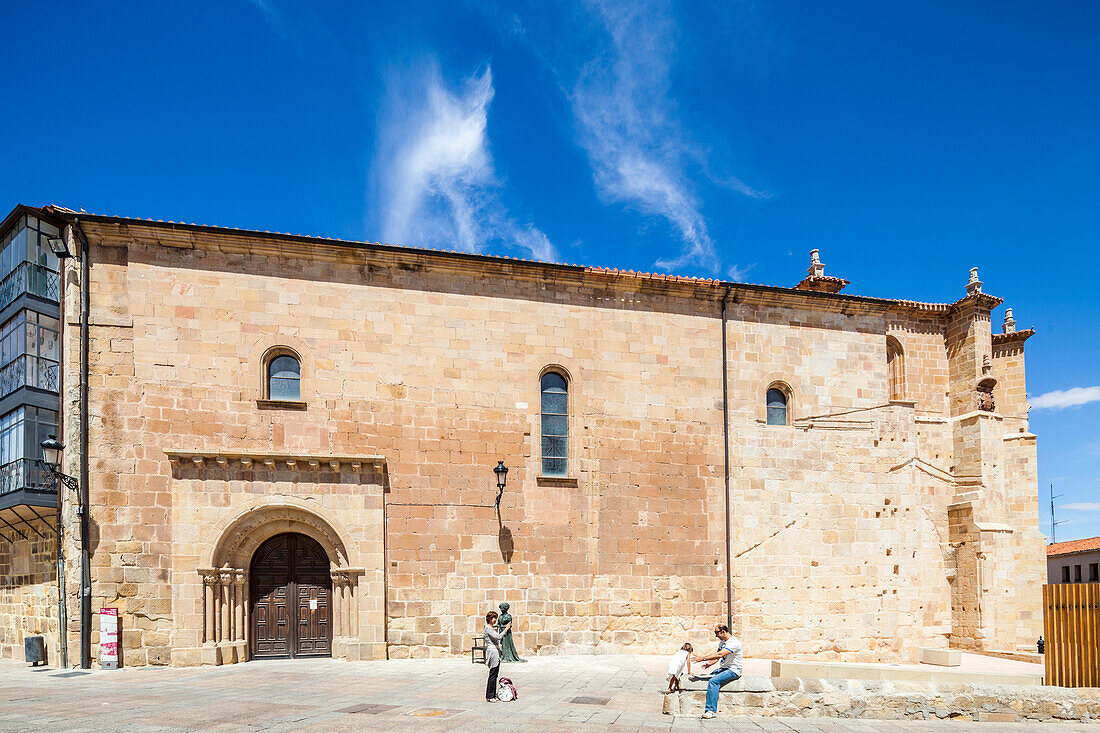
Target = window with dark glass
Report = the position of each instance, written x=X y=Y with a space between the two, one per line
x=777 y=406
x=1065 y=573
x=21 y=434
x=284 y=379
x=555 y=424
x=1094 y=572
x=1076 y=573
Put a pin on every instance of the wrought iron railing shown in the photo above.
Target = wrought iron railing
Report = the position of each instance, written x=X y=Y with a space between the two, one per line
x=30 y=278
x=26 y=473
x=28 y=371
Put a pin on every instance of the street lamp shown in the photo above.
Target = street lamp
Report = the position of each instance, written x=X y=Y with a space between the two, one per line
x=51 y=456
x=502 y=478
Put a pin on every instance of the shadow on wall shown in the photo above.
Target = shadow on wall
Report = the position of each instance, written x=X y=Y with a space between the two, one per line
x=507 y=546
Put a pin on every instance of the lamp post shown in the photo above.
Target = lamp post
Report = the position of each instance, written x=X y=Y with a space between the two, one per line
x=51 y=456
x=60 y=247
x=502 y=478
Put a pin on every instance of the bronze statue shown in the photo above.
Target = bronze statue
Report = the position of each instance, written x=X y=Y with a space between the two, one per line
x=507 y=645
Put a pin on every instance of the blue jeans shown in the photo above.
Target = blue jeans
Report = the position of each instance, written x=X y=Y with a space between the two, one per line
x=715 y=684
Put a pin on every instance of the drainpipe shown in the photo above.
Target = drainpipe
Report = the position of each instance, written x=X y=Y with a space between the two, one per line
x=85 y=507
x=726 y=452
x=62 y=492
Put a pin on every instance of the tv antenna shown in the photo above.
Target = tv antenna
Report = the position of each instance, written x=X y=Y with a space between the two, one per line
x=1054 y=524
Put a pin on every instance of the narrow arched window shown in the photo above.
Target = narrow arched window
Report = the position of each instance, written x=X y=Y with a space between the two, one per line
x=284 y=379
x=895 y=367
x=555 y=424
x=777 y=406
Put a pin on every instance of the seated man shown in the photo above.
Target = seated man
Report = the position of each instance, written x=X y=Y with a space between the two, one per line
x=729 y=661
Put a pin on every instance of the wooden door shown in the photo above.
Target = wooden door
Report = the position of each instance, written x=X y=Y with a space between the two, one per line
x=291 y=599
x=270 y=580
x=313 y=598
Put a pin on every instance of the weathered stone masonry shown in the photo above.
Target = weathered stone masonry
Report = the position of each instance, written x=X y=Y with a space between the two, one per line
x=864 y=528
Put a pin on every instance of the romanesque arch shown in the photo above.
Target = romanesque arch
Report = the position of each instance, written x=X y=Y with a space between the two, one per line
x=225 y=567
x=239 y=536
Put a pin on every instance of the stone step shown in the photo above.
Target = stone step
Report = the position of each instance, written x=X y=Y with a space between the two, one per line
x=901 y=673
x=888 y=700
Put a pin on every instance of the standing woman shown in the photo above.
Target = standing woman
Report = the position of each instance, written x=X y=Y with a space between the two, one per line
x=493 y=654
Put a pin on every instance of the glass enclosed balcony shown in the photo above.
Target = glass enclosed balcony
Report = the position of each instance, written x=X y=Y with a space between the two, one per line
x=27 y=265
x=26 y=474
x=24 y=478
x=28 y=371
x=29 y=351
x=31 y=279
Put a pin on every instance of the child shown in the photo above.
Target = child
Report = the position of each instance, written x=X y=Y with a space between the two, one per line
x=677 y=666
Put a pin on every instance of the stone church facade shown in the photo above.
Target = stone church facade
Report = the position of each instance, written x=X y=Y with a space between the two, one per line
x=291 y=444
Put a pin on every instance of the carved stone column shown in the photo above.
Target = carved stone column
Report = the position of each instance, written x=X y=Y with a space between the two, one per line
x=209 y=587
x=217 y=607
x=339 y=579
x=232 y=635
x=352 y=603
x=226 y=631
x=242 y=616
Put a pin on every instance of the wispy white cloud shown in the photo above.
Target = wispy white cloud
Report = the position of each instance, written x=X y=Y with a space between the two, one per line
x=1061 y=399
x=278 y=22
x=436 y=181
x=299 y=26
x=639 y=152
x=273 y=17
x=737 y=272
x=1085 y=506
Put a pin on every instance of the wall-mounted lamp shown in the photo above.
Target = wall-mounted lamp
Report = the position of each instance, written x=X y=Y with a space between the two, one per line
x=51 y=456
x=502 y=478
x=59 y=248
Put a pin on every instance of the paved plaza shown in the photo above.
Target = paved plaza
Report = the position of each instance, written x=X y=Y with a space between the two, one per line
x=584 y=693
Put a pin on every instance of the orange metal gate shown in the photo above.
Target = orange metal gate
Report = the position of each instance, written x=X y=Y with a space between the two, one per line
x=1071 y=617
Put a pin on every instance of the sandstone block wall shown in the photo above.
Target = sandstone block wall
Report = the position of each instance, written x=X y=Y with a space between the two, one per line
x=841 y=541
x=28 y=592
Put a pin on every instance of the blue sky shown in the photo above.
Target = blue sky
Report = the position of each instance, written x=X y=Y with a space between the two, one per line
x=909 y=142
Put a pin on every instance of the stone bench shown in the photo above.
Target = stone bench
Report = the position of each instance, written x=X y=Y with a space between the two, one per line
x=759 y=696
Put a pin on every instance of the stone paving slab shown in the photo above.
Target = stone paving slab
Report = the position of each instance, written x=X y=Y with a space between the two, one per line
x=425 y=696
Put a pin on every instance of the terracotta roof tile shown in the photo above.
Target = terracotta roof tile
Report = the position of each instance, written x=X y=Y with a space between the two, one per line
x=915 y=305
x=1068 y=548
x=1006 y=338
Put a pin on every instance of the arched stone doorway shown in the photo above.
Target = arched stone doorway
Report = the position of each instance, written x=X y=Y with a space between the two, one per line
x=229 y=600
x=291 y=598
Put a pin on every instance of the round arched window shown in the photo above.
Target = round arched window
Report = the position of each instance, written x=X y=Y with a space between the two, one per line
x=284 y=379
x=777 y=406
x=555 y=424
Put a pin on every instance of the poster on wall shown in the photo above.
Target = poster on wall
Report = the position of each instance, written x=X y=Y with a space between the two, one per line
x=108 y=638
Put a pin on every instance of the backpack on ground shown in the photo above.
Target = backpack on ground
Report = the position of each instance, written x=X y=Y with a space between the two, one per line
x=506 y=691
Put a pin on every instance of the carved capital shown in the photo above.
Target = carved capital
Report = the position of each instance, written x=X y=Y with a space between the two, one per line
x=209 y=576
x=239 y=577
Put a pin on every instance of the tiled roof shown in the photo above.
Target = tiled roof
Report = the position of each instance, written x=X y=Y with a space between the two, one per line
x=1005 y=338
x=1068 y=548
x=939 y=308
